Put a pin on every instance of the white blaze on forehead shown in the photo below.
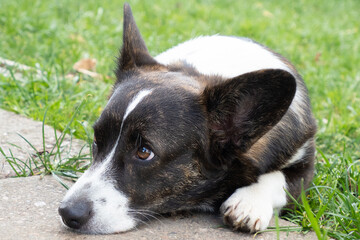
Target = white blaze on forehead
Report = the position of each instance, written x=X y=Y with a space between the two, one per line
x=110 y=205
x=136 y=100
x=132 y=105
x=100 y=170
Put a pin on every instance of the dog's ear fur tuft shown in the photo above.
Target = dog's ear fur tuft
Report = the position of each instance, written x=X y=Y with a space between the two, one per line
x=134 y=52
x=242 y=109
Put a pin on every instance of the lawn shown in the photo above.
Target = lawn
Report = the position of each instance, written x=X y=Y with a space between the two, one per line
x=321 y=38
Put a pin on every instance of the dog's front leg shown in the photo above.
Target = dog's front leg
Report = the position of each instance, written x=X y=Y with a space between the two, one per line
x=250 y=208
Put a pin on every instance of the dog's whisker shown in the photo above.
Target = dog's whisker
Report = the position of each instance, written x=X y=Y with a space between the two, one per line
x=140 y=221
x=139 y=213
x=149 y=211
x=146 y=215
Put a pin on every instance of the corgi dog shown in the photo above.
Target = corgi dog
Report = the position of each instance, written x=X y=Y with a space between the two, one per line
x=217 y=123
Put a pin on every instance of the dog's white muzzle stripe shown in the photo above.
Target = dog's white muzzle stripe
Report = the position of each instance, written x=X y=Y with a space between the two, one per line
x=110 y=206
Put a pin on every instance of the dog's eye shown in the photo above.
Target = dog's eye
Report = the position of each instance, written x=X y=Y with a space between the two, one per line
x=145 y=154
x=95 y=142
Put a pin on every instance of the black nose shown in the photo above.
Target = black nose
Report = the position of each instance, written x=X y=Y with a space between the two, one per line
x=75 y=215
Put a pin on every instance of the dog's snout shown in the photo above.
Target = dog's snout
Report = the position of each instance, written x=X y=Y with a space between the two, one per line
x=75 y=215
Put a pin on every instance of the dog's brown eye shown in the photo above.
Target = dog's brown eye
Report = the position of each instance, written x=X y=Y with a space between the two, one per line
x=144 y=153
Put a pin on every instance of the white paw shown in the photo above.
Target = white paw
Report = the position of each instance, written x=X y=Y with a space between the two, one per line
x=247 y=209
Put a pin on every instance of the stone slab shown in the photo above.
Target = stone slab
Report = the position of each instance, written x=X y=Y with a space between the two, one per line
x=28 y=210
x=11 y=125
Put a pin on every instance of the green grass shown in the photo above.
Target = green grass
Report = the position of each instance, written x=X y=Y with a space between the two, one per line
x=322 y=38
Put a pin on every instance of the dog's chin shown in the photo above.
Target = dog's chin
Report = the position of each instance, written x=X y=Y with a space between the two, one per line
x=103 y=226
x=94 y=228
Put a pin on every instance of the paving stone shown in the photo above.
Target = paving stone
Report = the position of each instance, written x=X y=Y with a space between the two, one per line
x=11 y=125
x=28 y=210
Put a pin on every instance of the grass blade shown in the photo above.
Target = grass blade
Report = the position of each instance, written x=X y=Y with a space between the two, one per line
x=310 y=214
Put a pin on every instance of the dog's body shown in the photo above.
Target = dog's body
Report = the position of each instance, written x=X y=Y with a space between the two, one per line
x=214 y=121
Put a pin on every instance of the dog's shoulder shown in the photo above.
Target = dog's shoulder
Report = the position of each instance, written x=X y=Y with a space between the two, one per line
x=226 y=56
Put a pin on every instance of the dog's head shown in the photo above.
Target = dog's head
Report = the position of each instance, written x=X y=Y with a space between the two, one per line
x=167 y=136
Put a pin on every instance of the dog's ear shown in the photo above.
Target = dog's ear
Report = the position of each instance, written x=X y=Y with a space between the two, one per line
x=242 y=109
x=134 y=52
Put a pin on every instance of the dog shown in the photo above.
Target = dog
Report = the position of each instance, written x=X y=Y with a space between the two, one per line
x=217 y=123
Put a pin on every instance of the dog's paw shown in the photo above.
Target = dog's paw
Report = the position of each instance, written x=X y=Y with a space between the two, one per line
x=247 y=209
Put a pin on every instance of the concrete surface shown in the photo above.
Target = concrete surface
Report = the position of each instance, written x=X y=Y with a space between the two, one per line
x=11 y=125
x=28 y=206
x=28 y=210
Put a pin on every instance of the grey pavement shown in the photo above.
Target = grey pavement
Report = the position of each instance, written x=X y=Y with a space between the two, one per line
x=28 y=206
x=13 y=125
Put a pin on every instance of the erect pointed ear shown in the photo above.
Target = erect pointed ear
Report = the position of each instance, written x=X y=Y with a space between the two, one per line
x=242 y=109
x=134 y=52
